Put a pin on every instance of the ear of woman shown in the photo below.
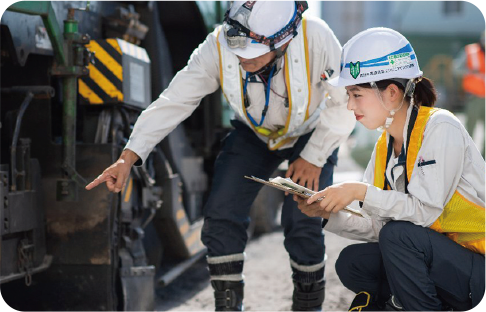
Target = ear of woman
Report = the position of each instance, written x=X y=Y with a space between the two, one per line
x=394 y=93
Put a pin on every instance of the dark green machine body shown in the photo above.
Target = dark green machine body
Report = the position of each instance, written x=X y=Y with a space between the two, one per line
x=62 y=247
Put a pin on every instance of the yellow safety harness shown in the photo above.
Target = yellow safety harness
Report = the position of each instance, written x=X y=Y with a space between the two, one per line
x=461 y=220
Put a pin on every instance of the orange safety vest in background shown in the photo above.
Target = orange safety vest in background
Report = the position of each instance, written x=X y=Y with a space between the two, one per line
x=473 y=81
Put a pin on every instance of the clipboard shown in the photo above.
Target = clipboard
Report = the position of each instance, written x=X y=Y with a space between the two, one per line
x=298 y=190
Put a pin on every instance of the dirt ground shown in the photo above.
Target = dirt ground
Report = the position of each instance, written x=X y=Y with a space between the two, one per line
x=267 y=277
x=267 y=271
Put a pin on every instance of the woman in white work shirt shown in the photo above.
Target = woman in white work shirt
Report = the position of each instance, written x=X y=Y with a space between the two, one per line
x=423 y=192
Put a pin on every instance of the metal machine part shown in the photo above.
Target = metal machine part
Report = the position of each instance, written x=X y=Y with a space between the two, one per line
x=112 y=248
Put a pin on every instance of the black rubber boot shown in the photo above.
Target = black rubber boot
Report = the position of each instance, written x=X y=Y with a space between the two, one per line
x=393 y=304
x=228 y=295
x=308 y=296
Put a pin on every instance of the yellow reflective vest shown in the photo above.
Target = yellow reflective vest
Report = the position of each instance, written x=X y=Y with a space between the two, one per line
x=461 y=220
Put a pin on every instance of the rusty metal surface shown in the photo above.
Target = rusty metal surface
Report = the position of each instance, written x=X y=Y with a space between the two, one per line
x=86 y=224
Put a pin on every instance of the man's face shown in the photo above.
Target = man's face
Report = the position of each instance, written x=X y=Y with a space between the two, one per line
x=255 y=64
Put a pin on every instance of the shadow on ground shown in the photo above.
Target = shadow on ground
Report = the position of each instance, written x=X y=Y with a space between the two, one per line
x=189 y=284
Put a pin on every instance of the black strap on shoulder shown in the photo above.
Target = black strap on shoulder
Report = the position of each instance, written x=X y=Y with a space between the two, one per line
x=388 y=156
x=403 y=155
x=411 y=124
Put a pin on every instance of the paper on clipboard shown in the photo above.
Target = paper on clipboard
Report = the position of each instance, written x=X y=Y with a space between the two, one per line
x=287 y=185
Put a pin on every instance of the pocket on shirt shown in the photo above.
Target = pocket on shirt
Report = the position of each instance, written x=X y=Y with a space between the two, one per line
x=428 y=182
x=426 y=163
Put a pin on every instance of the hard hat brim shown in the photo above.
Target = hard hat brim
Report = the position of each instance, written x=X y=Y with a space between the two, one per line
x=341 y=82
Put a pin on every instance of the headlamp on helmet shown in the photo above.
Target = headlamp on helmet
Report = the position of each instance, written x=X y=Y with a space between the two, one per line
x=235 y=38
x=236 y=29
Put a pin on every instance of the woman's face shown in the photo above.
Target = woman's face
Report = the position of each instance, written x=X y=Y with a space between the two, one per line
x=367 y=107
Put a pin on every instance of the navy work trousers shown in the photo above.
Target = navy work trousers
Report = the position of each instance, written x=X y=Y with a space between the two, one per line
x=226 y=213
x=423 y=269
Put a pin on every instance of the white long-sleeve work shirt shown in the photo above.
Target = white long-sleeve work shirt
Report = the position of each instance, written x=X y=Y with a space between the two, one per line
x=458 y=166
x=201 y=77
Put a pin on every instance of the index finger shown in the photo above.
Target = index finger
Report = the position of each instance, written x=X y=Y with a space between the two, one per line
x=100 y=179
x=316 y=196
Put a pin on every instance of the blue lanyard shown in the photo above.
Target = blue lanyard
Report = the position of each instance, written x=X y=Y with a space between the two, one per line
x=267 y=98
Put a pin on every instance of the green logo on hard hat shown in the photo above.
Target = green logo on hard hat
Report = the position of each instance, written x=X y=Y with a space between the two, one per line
x=354 y=69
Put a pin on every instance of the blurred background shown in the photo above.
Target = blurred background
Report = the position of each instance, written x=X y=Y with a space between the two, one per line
x=58 y=248
x=437 y=30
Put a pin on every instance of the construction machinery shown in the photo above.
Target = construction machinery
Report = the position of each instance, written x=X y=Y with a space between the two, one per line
x=74 y=78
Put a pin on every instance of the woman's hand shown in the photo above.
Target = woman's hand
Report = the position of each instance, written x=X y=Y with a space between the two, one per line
x=312 y=210
x=338 y=196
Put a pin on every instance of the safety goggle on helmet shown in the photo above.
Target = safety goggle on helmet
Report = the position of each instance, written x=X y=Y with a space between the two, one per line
x=253 y=28
x=377 y=54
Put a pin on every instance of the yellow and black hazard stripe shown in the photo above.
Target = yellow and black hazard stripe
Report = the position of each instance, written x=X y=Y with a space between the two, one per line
x=104 y=84
x=191 y=236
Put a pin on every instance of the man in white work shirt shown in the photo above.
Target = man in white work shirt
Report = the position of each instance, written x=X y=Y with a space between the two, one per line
x=272 y=65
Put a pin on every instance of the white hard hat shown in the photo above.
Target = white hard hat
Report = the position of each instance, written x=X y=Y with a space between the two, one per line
x=261 y=20
x=377 y=54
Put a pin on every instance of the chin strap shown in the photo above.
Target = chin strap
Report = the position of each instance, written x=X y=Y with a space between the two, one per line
x=267 y=68
x=280 y=51
x=409 y=91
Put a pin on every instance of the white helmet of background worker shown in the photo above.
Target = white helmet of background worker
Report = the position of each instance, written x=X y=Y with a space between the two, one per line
x=253 y=28
x=377 y=54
